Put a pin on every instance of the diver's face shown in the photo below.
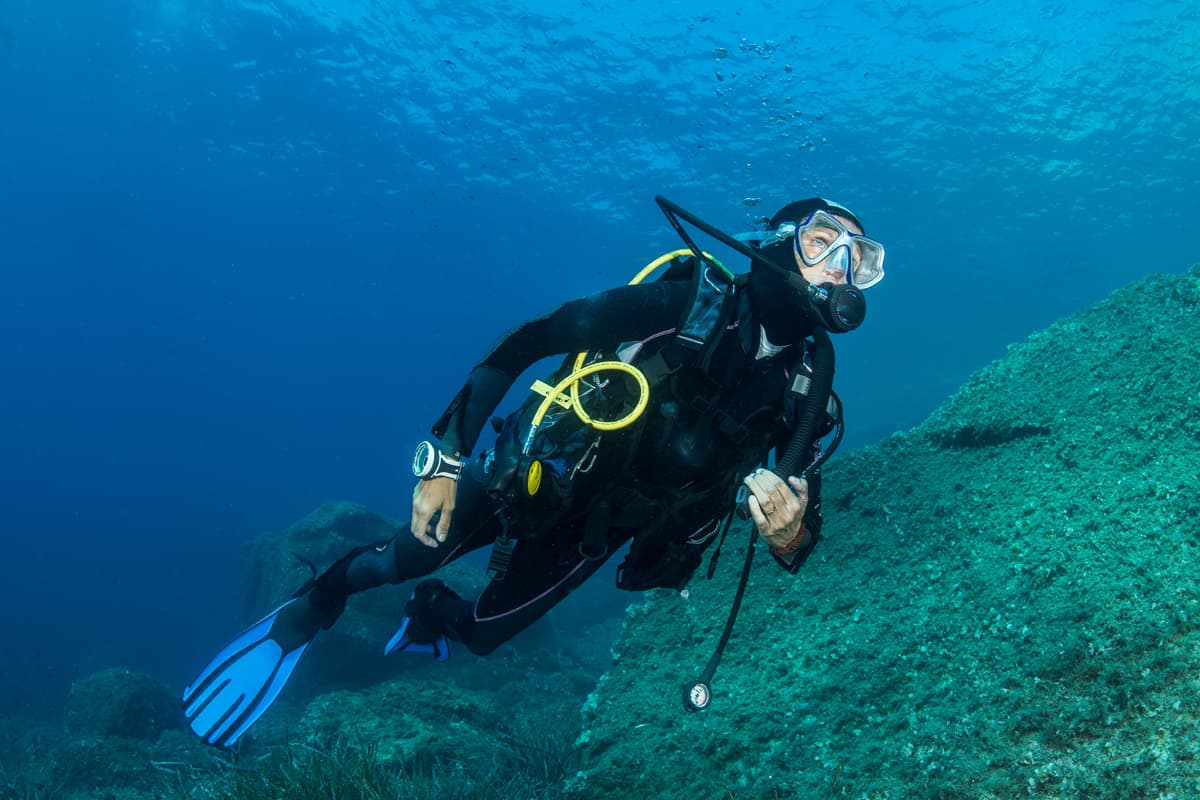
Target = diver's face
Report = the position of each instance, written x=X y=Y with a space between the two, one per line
x=815 y=241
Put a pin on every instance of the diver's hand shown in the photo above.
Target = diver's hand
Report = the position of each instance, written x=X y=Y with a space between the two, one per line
x=431 y=497
x=776 y=507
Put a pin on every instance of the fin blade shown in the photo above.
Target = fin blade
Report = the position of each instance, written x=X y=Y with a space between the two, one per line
x=240 y=683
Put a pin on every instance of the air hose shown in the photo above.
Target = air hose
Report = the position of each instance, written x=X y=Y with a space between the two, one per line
x=697 y=694
x=554 y=394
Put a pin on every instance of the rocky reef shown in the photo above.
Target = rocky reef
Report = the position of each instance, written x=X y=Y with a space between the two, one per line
x=1006 y=603
x=352 y=723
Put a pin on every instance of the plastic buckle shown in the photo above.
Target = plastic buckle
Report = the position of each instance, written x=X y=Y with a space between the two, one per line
x=501 y=559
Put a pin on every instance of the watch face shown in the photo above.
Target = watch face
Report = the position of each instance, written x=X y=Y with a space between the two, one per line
x=424 y=459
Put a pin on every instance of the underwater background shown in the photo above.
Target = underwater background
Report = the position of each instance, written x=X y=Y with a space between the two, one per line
x=251 y=249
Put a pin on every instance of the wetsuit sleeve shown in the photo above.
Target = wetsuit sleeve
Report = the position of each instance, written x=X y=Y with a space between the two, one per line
x=792 y=562
x=624 y=314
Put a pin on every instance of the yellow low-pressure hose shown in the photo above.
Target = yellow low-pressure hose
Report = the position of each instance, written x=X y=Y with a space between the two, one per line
x=553 y=394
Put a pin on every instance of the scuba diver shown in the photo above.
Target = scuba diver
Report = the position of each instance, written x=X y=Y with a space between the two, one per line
x=655 y=431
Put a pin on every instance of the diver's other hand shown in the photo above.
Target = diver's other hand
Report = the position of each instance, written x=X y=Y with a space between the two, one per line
x=429 y=498
x=777 y=507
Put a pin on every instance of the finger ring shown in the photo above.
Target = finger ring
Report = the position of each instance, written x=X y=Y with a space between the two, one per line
x=769 y=511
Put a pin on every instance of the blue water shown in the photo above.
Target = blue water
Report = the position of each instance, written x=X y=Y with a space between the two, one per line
x=249 y=250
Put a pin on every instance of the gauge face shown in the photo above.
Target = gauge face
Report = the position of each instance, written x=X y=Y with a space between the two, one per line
x=699 y=696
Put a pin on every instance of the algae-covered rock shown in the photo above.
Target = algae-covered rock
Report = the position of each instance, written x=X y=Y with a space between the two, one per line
x=275 y=565
x=501 y=727
x=119 y=702
x=1006 y=603
x=102 y=767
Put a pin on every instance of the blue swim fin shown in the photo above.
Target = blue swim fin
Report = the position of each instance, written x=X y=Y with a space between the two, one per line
x=433 y=611
x=242 y=681
x=439 y=648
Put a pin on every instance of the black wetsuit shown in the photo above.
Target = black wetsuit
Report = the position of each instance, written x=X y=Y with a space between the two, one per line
x=703 y=431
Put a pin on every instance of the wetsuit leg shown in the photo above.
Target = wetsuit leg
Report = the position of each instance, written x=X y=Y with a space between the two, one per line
x=542 y=573
x=401 y=558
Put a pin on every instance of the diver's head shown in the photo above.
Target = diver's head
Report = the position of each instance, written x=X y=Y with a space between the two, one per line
x=828 y=243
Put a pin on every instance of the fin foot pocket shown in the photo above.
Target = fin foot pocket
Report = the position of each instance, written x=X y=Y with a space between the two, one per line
x=429 y=619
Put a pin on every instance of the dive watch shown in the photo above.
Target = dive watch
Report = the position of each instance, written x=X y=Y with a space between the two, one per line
x=429 y=462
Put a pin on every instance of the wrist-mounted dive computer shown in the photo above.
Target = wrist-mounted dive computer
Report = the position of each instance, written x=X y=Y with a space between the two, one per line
x=429 y=462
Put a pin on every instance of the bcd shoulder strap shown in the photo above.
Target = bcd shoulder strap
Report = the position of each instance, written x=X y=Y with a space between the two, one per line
x=704 y=318
x=711 y=288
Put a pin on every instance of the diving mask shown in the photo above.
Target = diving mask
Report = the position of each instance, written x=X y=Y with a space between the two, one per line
x=822 y=237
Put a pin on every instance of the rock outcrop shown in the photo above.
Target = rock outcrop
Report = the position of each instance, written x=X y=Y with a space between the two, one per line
x=1006 y=604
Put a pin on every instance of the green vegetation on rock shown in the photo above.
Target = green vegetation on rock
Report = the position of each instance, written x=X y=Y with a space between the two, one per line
x=1006 y=604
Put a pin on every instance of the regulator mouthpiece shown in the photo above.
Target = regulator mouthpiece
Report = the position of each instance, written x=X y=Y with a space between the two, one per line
x=839 y=308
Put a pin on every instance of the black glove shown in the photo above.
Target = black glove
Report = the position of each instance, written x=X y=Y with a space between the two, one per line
x=433 y=611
